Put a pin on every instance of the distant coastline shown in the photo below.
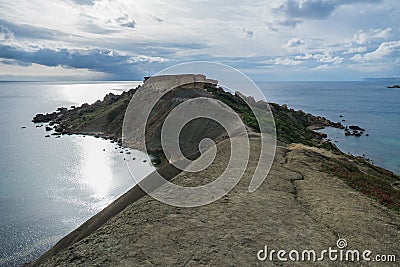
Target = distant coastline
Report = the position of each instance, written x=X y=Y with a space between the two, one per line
x=383 y=79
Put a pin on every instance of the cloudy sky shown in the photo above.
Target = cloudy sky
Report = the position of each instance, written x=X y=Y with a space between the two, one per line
x=267 y=40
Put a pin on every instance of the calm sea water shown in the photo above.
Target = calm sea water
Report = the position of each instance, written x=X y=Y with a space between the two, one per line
x=370 y=105
x=49 y=186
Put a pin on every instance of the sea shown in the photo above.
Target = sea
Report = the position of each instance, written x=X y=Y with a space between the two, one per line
x=50 y=186
x=369 y=105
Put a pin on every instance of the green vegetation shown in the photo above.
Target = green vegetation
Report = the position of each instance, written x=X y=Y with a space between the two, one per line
x=237 y=104
x=103 y=116
x=291 y=126
x=372 y=181
x=107 y=117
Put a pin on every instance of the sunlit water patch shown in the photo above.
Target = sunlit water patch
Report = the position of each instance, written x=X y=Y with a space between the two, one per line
x=50 y=186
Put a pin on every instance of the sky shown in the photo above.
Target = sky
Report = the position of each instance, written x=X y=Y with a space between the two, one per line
x=266 y=40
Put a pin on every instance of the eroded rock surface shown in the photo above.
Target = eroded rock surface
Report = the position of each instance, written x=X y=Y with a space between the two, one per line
x=299 y=206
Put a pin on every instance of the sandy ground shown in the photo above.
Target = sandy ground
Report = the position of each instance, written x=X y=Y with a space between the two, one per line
x=297 y=207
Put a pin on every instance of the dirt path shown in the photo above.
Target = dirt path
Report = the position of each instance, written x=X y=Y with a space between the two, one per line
x=297 y=207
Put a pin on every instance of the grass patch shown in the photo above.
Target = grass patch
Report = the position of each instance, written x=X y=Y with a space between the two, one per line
x=237 y=104
x=373 y=182
x=291 y=126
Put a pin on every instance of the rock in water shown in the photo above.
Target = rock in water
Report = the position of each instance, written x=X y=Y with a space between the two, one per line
x=357 y=128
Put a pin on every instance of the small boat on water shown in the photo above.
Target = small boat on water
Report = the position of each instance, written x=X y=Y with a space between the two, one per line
x=394 y=86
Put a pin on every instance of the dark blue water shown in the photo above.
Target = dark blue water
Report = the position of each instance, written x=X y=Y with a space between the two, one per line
x=49 y=186
x=370 y=105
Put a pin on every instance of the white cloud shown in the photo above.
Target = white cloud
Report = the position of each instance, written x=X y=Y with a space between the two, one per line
x=357 y=58
x=384 y=50
x=294 y=44
x=246 y=33
x=304 y=57
x=362 y=37
x=324 y=67
x=148 y=59
x=287 y=62
x=326 y=57
x=354 y=50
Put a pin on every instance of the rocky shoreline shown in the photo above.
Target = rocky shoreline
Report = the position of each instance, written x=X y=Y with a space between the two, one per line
x=103 y=119
x=64 y=120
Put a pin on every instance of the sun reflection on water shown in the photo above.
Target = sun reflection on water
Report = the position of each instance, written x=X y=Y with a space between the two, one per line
x=91 y=92
x=96 y=171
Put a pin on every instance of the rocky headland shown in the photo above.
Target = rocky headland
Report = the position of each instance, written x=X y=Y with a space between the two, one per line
x=313 y=195
x=104 y=118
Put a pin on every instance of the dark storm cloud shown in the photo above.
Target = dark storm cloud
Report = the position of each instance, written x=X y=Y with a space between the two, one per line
x=94 y=59
x=32 y=32
x=315 y=9
x=15 y=63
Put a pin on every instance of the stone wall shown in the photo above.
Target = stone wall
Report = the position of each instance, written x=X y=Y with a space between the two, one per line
x=191 y=81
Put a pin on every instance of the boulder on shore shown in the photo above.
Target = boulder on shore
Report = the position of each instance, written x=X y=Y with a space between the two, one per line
x=59 y=128
x=44 y=117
